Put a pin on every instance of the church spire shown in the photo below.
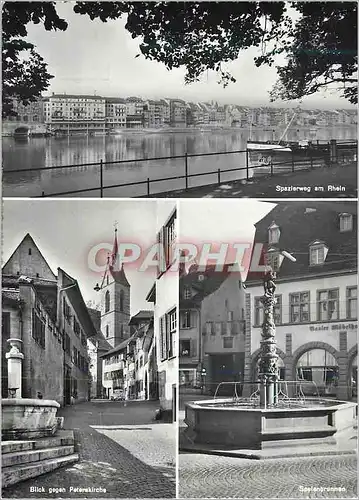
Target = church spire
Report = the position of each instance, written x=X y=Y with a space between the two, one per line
x=115 y=266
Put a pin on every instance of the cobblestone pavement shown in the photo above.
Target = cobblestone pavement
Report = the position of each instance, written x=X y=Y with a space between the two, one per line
x=105 y=464
x=208 y=476
x=154 y=445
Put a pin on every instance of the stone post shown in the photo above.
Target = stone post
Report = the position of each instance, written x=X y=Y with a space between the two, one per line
x=14 y=368
x=333 y=151
x=268 y=361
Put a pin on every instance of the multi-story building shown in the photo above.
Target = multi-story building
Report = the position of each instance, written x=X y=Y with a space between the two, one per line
x=32 y=112
x=142 y=322
x=134 y=112
x=48 y=314
x=97 y=346
x=75 y=113
x=194 y=114
x=316 y=309
x=115 y=112
x=178 y=113
x=164 y=296
x=129 y=371
x=211 y=345
x=205 y=113
x=116 y=379
x=153 y=114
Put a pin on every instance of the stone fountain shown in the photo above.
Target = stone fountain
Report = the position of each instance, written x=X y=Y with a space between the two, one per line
x=33 y=441
x=269 y=418
x=23 y=418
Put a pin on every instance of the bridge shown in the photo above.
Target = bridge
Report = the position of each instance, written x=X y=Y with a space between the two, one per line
x=11 y=128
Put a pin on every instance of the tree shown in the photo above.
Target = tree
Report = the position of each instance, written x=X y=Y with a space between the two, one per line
x=323 y=51
x=24 y=72
x=320 y=46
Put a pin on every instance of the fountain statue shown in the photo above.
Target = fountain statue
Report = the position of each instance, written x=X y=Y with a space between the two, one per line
x=270 y=416
x=268 y=361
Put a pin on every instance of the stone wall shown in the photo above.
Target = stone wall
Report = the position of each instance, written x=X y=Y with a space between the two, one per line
x=42 y=366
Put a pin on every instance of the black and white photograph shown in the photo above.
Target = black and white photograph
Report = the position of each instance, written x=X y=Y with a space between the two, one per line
x=89 y=369
x=179 y=249
x=179 y=99
x=268 y=350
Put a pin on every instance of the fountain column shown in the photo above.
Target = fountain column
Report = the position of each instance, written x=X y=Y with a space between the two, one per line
x=268 y=361
x=14 y=368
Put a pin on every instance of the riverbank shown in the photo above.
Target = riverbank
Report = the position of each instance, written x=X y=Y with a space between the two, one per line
x=9 y=127
x=339 y=181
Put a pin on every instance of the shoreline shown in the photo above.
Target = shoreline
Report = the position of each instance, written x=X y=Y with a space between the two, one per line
x=182 y=130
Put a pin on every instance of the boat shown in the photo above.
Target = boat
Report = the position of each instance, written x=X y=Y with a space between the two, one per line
x=274 y=156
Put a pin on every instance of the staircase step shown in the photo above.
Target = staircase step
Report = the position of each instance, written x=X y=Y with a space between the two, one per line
x=17 y=473
x=24 y=457
x=62 y=438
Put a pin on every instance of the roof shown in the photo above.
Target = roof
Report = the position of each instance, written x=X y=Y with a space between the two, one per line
x=29 y=238
x=212 y=281
x=75 y=296
x=140 y=317
x=118 y=100
x=81 y=96
x=120 y=347
x=151 y=296
x=300 y=223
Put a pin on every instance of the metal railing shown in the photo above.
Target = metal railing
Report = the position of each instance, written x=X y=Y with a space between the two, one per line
x=318 y=155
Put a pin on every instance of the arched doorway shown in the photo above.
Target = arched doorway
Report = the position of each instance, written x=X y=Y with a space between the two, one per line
x=320 y=367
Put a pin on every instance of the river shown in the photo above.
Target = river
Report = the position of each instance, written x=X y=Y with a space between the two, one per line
x=36 y=153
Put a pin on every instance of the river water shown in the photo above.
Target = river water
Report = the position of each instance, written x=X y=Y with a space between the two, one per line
x=35 y=153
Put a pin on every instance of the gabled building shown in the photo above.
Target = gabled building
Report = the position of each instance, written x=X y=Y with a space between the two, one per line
x=316 y=309
x=178 y=113
x=211 y=345
x=47 y=313
x=129 y=370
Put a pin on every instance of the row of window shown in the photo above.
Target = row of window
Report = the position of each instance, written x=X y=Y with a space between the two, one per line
x=168 y=327
x=327 y=306
x=166 y=240
x=187 y=347
x=345 y=224
x=224 y=328
x=79 y=360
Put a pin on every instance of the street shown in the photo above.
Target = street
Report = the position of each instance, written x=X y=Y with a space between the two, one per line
x=123 y=453
x=208 y=476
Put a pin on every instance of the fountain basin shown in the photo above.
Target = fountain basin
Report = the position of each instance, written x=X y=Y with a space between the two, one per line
x=28 y=418
x=224 y=422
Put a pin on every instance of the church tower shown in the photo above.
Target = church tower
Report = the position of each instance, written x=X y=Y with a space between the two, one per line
x=115 y=300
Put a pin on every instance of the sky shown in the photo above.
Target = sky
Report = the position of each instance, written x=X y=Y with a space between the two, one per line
x=221 y=221
x=94 y=57
x=65 y=231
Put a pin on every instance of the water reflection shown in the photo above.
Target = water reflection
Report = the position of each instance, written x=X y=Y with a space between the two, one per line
x=31 y=153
